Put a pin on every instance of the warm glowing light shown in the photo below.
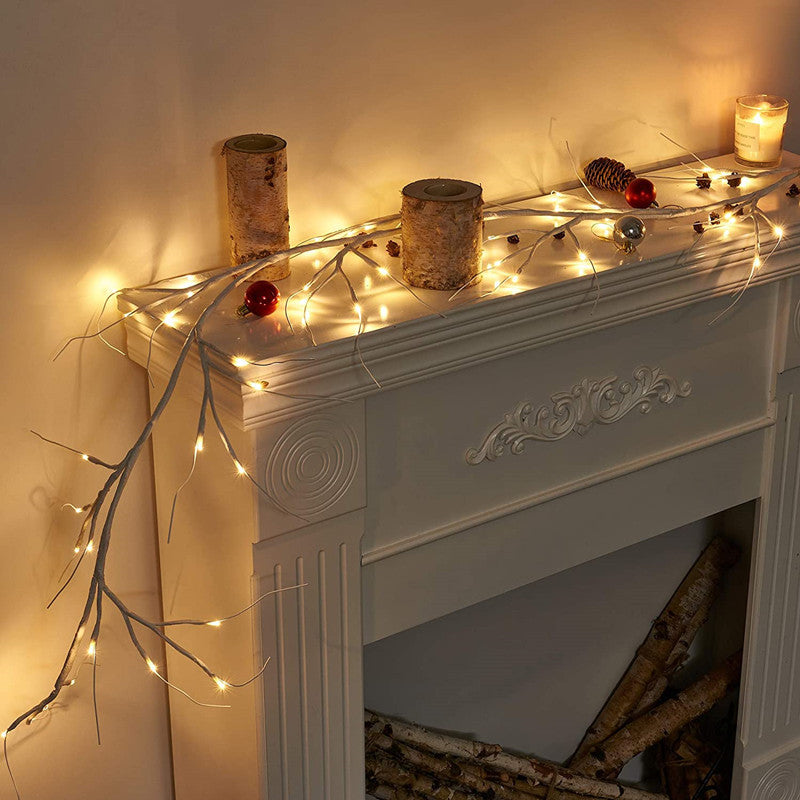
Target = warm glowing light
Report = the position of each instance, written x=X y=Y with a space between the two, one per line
x=84 y=456
x=76 y=550
x=215 y=623
x=367 y=282
x=221 y=685
x=778 y=231
x=171 y=318
x=71 y=683
x=369 y=227
x=745 y=181
x=497 y=284
x=357 y=308
x=198 y=445
x=90 y=547
x=239 y=468
x=384 y=313
x=757 y=262
x=259 y=386
x=317 y=263
x=582 y=256
x=3 y=734
x=92 y=649
x=306 y=287
x=515 y=279
x=383 y=271
x=151 y=666
x=239 y=361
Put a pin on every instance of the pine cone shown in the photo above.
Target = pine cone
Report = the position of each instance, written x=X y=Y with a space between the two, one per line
x=606 y=173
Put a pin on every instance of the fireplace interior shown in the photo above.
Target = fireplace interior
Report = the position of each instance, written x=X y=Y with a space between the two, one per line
x=530 y=668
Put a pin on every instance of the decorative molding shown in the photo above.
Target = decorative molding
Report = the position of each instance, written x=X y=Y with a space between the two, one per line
x=590 y=402
x=796 y=321
x=312 y=464
x=780 y=782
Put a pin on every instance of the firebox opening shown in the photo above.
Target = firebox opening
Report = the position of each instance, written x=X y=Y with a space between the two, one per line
x=531 y=668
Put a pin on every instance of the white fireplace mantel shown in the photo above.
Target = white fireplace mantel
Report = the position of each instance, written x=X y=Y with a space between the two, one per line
x=506 y=442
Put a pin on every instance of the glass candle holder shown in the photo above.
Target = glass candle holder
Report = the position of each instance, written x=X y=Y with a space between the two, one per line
x=758 y=132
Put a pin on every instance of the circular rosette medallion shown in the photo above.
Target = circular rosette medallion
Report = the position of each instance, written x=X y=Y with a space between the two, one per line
x=780 y=782
x=312 y=465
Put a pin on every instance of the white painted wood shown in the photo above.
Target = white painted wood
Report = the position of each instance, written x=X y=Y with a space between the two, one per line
x=421 y=583
x=313 y=696
x=770 y=707
x=313 y=467
x=393 y=491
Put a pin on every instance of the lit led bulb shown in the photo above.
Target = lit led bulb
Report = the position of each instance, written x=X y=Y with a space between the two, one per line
x=383 y=271
x=239 y=361
x=221 y=685
x=198 y=445
x=84 y=456
x=151 y=666
x=239 y=468
x=384 y=313
x=90 y=547
x=756 y=262
x=778 y=231
x=215 y=623
x=91 y=650
x=171 y=318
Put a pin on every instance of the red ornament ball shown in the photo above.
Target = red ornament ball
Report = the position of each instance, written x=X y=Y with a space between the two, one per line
x=261 y=298
x=640 y=193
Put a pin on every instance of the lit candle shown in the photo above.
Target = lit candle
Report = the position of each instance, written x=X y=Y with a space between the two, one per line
x=759 y=125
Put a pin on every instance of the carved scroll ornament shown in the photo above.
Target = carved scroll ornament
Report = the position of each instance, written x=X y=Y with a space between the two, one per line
x=590 y=402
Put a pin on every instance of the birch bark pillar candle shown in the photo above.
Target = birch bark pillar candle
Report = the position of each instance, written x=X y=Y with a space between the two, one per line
x=442 y=224
x=258 y=207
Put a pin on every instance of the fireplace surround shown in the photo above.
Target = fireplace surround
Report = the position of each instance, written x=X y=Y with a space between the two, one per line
x=510 y=439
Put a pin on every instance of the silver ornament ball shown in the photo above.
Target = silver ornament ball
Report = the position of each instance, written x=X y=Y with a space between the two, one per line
x=629 y=231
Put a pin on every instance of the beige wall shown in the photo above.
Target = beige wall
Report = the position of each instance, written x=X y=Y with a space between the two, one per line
x=113 y=113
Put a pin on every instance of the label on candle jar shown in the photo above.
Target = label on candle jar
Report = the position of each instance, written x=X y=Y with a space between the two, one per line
x=747 y=137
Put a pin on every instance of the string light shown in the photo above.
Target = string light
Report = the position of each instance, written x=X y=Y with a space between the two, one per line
x=91 y=650
x=239 y=361
x=171 y=318
x=582 y=256
x=756 y=261
x=383 y=272
x=383 y=311
x=778 y=231
x=198 y=445
x=239 y=468
x=259 y=386
x=221 y=684
x=85 y=456
x=151 y=666
x=3 y=734
x=215 y=623
x=90 y=547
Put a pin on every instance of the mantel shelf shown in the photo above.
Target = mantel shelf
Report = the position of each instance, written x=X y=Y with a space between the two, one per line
x=556 y=298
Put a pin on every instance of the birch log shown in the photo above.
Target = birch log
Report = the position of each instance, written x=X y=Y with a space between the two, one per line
x=666 y=643
x=258 y=205
x=664 y=720
x=442 y=224
x=470 y=775
x=495 y=758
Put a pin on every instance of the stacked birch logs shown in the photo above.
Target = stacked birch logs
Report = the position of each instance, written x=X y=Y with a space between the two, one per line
x=405 y=761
